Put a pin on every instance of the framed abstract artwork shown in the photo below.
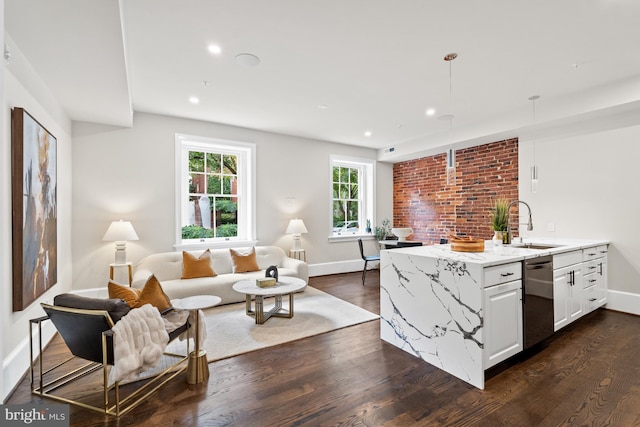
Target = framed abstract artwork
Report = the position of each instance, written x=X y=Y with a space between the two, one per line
x=34 y=209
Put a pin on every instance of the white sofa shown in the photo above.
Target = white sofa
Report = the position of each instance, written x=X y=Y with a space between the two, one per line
x=167 y=267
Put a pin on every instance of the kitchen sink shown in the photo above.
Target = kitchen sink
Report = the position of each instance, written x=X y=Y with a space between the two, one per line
x=540 y=246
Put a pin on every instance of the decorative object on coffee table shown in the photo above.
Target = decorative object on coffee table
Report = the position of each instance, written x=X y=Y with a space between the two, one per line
x=266 y=282
x=272 y=271
x=285 y=286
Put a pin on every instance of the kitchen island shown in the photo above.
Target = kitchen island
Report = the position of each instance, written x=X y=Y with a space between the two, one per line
x=434 y=302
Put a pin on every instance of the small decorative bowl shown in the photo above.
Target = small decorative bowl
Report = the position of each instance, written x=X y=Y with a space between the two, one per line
x=402 y=233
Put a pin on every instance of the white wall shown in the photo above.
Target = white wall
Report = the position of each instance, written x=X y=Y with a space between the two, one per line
x=128 y=173
x=23 y=88
x=588 y=189
x=5 y=244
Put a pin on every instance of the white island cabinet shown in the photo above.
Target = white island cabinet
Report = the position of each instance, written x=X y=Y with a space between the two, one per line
x=502 y=313
x=461 y=312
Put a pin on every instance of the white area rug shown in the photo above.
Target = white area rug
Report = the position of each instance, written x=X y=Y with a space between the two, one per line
x=231 y=332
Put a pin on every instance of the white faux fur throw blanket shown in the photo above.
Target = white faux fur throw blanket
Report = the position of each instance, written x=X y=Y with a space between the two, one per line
x=140 y=339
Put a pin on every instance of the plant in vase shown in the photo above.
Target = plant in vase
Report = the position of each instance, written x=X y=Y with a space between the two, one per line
x=368 y=227
x=499 y=220
x=384 y=231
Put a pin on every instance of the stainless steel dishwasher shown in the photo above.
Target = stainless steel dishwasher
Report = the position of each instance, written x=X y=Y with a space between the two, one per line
x=537 y=300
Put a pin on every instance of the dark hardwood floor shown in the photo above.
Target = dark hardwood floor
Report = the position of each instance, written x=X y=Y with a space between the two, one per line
x=586 y=375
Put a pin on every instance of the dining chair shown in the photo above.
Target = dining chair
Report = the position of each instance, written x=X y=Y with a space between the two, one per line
x=366 y=259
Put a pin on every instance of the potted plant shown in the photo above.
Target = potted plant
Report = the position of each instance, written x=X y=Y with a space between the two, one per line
x=384 y=231
x=368 y=227
x=499 y=220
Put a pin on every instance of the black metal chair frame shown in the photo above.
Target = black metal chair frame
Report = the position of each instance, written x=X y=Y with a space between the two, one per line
x=103 y=323
x=366 y=259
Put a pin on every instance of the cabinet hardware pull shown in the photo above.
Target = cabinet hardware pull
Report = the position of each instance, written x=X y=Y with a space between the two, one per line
x=506 y=274
x=603 y=252
x=592 y=280
x=592 y=299
x=593 y=267
x=592 y=254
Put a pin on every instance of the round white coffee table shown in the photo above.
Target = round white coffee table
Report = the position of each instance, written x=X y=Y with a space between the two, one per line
x=285 y=286
x=197 y=368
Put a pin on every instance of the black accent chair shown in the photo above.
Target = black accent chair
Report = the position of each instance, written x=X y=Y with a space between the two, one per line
x=85 y=326
x=366 y=259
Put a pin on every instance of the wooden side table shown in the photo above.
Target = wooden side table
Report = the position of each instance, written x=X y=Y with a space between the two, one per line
x=299 y=254
x=112 y=268
x=197 y=367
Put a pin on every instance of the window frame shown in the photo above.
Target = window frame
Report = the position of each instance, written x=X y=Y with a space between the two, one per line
x=246 y=193
x=366 y=194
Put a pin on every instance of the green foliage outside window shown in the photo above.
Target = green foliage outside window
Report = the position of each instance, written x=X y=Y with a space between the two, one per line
x=346 y=205
x=213 y=175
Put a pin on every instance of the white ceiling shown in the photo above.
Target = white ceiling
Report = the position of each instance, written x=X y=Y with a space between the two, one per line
x=376 y=65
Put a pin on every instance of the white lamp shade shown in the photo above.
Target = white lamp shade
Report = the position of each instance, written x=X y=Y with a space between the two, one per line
x=120 y=231
x=296 y=226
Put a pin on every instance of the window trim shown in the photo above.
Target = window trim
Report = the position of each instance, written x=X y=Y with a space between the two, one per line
x=246 y=190
x=369 y=200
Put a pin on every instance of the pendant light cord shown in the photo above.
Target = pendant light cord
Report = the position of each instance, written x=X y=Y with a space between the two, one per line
x=534 y=168
x=533 y=99
x=450 y=104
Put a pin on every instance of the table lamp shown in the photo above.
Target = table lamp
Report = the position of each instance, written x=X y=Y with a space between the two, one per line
x=296 y=227
x=120 y=232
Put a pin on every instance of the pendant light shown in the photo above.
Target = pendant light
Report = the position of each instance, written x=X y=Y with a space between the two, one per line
x=451 y=154
x=534 y=168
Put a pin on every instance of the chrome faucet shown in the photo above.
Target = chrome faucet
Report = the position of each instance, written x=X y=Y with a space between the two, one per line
x=529 y=225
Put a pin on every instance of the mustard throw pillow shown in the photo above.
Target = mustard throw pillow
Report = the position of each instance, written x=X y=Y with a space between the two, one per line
x=126 y=293
x=151 y=293
x=193 y=267
x=243 y=263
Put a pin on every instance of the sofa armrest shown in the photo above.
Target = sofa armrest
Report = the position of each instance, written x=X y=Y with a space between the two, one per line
x=140 y=277
x=301 y=267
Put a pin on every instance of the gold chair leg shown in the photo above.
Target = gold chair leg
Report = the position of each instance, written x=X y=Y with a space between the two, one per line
x=120 y=405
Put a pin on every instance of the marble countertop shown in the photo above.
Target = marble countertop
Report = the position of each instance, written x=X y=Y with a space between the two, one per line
x=496 y=255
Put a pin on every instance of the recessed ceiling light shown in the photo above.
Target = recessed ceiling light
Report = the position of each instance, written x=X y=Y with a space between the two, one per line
x=323 y=106
x=247 y=59
x=215 y=49
x=194 y=100
x=430 y=112
x=368 y=133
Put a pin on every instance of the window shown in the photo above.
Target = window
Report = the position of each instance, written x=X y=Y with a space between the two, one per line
x=216 y=201
x=352 y=196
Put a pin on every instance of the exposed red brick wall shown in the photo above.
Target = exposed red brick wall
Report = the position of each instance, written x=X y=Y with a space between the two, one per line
x=423 y=201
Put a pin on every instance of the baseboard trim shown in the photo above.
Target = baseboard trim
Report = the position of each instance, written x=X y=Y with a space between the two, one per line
x=16 y=364
x=338 y=267
x=626 y=302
